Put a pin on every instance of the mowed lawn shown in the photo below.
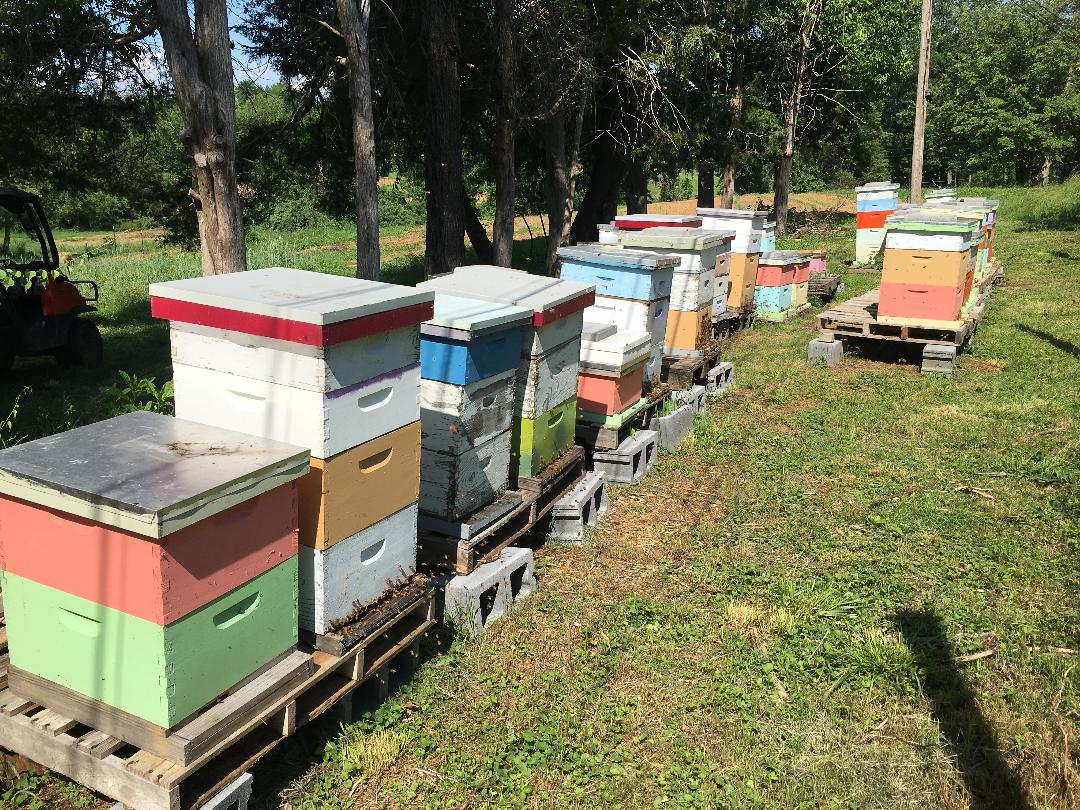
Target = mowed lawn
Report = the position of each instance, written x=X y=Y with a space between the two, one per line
x=851 y=587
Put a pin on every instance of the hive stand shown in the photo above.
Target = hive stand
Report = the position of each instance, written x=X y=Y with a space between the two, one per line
x=460 y=548
x=582 y=506
x=382 y=639
x=477 y=600
x=629 y=462
x=593 y=436
x=673 y=428
x=720 y=379
x=682 y=373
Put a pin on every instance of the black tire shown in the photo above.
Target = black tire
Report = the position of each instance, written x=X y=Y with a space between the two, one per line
x=84 y=346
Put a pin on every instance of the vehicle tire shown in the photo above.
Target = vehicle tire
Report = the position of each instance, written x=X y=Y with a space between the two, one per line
x=84 y=346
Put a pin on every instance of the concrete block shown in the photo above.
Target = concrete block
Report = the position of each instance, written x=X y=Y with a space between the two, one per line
x=475 y=601
x=695 y=397
x=627 y=463
x=580 y=507
x=719 y=379
x=674 y=427
x=939 y=357
x=650 y=440
x=831 y=351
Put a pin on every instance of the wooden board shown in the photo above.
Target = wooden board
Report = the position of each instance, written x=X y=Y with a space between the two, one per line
x=602 y=437
x=385 y=635
x=681 y=374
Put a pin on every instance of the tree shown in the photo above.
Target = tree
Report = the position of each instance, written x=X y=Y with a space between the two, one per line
x=354 y=16
x=445 y=248
x=505 y=123
x=202 y=76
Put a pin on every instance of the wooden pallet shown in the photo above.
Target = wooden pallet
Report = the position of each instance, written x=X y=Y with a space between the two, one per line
x=140 y=779
x=823 y=285
x=857 y=317
x=683 y=373
x=537 y=497
x=601 y=437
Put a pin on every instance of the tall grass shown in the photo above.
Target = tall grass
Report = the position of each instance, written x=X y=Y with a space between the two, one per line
x=1053 y=208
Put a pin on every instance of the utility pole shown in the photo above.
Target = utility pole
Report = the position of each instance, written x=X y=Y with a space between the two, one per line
x=920 y=102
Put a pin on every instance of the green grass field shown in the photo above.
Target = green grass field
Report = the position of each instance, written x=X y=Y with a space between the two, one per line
x=853 y=587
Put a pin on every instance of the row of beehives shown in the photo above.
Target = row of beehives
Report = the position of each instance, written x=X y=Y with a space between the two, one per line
x=936 y=255
x=151 y=563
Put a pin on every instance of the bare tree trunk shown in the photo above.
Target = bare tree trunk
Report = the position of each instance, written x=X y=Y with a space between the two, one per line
x=563 y=168
x=503 y=230
x=1044 y=172
x=637 y=188
x=735 y=112
x=477 y=234
x=706 y=184
x=445 y=248
x=782 y=179
x=202 y=76
x=354 y=16
x=608 y=162
x=949 y=178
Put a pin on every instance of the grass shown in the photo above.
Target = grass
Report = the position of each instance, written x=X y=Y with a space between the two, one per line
x=788 y=612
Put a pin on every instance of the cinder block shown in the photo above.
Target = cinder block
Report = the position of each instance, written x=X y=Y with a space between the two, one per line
x=695 y=397
x=674 y=427
x=831 y=351
x=649 y=441
x=720 y=378
x=627 y=463
x=580 y=507
x=477 y=600
x=939 y=357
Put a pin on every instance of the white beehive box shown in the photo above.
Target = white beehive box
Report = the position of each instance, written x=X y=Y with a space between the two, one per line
x=548 y=380
x=453 y=486
x=455 y=418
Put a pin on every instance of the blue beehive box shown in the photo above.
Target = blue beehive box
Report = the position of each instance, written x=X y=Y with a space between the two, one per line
x=773 y=299
x=469 y=340
x=638 y=275
x=875 y=205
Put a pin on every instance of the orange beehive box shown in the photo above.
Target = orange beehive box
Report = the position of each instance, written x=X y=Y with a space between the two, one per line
x=925 y=267
x=871 y=219
x=610 y=395
x=743 y=275
x=688 y=331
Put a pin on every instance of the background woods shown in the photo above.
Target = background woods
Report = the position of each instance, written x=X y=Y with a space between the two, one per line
x=476 y=113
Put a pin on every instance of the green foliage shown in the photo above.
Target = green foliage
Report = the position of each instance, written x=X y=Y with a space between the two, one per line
x=8 y=435
x=21 y=790
x=296 y=212
x=134 y=393
x=401 y=203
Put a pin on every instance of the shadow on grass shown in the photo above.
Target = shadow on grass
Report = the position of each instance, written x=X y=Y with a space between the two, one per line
x=1058 y=343
x=989 y=779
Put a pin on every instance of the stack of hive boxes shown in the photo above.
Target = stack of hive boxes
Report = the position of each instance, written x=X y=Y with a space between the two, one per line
x=745 y=249
x=329 y=363
x=149 y=566
x=611 y=370
x=936 y=195
x=768 y=237
x=545 y=407
x=874 y=202
x=927 y=273
x=782 y=281
x=633 y=293
x=694 y=283
x=469 y=353
x=986 y=209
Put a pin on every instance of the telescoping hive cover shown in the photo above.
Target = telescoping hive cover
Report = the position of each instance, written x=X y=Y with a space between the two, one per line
x=548 y=298
x=147 y=473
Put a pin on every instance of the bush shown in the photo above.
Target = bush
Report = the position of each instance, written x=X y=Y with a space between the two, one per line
x=296 y=212
x=135 y=393
x=94 y=210
x=402 y=203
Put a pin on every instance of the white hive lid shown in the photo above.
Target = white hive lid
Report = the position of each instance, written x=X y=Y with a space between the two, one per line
x=491 y=283
x=474 y=315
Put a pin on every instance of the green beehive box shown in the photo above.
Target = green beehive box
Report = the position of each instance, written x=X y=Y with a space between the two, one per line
x=538 y=442
x=160 y=674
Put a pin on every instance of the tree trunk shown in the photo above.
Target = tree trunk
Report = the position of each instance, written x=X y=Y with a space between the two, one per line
x=563 y=168
x=354 y=16
x=445 y=247
x=735 y=112
x=782 y=179
x=637 y=188
x=607 y=167
x=1044 y=172
x=949 y=178
x=706 y=184
x=477 y=234
x=202 y=76
x=504 y=133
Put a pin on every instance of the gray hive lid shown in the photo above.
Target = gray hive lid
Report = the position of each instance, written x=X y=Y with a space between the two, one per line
x=675 y=238
x=884 y=185
x=620 y=257
x=775 y=258
x=597 y=331
x=488 y=282
x=146 y=473
x=295 y=295
x=733 y=213
x=473 y=316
